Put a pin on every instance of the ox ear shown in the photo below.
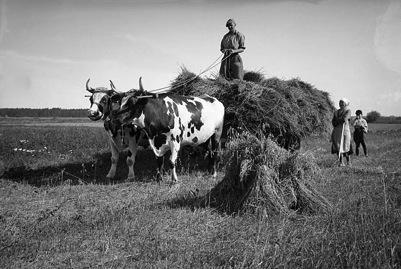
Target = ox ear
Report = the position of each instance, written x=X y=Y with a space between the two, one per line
x=91 y=90
x=140 y=85
x=112 y=85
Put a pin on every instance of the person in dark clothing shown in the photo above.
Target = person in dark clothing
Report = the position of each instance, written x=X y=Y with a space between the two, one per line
x=360 y=129
x=232 y=45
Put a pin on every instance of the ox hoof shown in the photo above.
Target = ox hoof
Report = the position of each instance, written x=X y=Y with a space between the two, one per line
x=174 y=185
x=159 y=178
x=110 y=176
x=129 y=179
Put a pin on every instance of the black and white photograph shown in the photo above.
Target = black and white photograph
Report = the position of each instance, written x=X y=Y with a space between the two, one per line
x=200 y=134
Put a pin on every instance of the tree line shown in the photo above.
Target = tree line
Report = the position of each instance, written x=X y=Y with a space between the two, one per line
x=372 y=116
x=43 y=112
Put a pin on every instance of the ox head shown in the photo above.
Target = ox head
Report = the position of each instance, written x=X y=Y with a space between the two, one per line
x=132 y=103
x=100 y=100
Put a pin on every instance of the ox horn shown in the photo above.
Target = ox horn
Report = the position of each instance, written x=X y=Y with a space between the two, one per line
x=91 y=90
x=112 y=85
x=140 y=84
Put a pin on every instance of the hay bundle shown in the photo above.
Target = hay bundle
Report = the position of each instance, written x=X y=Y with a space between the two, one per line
x=285 y=110
x=254 y=76
x=263 y=177
x=313 y=107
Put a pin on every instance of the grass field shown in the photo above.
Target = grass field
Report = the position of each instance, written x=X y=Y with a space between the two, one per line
x=57 y=209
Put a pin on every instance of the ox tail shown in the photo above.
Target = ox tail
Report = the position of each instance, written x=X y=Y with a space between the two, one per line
x=218 y=135
x=214 y=147
x=213 y=152
x=222 y=131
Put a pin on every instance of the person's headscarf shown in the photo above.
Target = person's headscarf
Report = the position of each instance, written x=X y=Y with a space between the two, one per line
x=345 y=100
x=230 y=21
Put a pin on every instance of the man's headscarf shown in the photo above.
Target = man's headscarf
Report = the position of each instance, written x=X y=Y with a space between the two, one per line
x=230 y=21
x=345 y=100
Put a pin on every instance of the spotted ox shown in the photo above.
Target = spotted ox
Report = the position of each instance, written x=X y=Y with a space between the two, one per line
x=102 y=101
x=172 y=121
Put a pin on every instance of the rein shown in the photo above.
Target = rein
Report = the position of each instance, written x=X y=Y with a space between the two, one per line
x=212 y=65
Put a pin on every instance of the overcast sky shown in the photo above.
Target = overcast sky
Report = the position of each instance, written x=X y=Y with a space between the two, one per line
x=48 y=48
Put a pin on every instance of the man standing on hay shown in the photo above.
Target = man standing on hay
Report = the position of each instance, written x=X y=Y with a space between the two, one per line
x=232 y=45
x=341 y=135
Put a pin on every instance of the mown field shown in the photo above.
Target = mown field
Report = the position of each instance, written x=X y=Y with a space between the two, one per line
x=58 y=210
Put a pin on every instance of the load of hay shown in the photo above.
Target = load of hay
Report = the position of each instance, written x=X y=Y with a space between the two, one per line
x=287 y=111
x=264 y=117
x=265 y=178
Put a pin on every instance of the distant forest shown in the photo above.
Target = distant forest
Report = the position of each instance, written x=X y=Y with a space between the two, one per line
x=83 y=112
x=43 y=112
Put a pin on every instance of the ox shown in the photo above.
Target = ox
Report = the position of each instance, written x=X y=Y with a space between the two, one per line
x=171 y=121
x=102 y=101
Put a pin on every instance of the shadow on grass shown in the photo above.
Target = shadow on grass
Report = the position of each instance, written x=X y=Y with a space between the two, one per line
x=191 y=200
x=95 y=171
x=194 y=200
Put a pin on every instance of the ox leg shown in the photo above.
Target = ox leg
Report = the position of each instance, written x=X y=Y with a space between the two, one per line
x=160 y=165
x=114 y=158
x=133 y=148
x=174 y=154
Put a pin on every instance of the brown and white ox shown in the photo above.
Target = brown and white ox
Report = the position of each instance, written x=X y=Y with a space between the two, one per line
x=172 y=121
x=102 y=101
